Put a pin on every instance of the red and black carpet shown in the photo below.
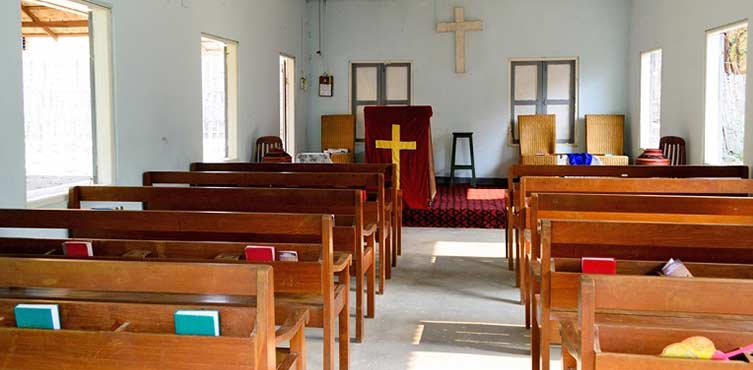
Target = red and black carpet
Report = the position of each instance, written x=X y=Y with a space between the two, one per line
x=461 y=206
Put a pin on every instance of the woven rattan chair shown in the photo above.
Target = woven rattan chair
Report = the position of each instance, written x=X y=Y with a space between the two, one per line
x=339 y=132
x=605 y=134
x=264 y=145
x=538 y=136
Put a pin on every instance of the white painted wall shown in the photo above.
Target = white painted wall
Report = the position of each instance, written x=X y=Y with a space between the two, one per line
x=157 y=71
x=679 y=28
x=12 y=185
x=596 y=31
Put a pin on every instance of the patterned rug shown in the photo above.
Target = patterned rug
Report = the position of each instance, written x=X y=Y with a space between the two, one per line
x=461 y=206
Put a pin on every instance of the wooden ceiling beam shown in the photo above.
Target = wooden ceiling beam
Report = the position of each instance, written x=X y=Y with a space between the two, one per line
x=56 y=24
x=77 y=34
x=34 y=18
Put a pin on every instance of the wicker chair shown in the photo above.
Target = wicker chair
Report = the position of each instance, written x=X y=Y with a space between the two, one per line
x=264 y=145
x=673 y=148
x=339 y=132
x=538 y=137
x=605 y=134
x=605 y=137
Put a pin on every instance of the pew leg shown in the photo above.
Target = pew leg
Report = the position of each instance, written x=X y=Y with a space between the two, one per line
x=371 y=282
x=400 y=228
x=545 y=334
x=521 y=274
x=508 y=241
x=328 y=358
x=395 y=235
x=388 y=253
x=344 y=334
x=519 y=241
x=535 y=340
x=298 y=345
x=525 y=291
x=359 y=301
x=568 y=361
x=382 y=258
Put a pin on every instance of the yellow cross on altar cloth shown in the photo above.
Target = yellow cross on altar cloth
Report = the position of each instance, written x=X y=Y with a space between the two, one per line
x=396 y=146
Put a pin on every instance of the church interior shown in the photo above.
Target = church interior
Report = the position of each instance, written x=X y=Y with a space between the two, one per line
x=376 y=184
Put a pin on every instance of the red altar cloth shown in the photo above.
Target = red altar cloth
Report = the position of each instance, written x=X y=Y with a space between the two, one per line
x=402 y=135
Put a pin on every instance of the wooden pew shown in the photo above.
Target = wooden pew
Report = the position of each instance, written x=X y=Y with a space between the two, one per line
x=307 y=284
x=111 y=311
x=532 y=185
x=394 y=202
x=713 y=242
x=603 y=207
x=346 y=205
x=684 y=307
x=517 y=172
x=372 y=183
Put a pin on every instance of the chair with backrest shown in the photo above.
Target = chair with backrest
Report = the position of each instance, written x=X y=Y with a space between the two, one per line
x=605 y=138
x=538 y=137
x=264 y=145
x=339 y=132
x=673 y=148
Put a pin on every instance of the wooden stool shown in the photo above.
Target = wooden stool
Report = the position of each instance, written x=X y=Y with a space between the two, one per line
x=453 y=166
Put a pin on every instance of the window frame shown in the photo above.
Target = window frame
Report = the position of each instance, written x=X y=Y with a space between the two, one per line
x=231 y=97
x=542 y=102
x=645 y=113
x=381 y=86
x=711 y=134
x=102 y=97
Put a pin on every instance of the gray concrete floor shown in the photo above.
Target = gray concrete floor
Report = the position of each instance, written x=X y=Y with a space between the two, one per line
x=451 y=304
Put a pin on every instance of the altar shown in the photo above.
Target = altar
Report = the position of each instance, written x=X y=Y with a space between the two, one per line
x=402 y=135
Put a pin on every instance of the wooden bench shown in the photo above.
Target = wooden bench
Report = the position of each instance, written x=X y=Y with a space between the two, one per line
x=533 y=185
x=308 y=284
x=393 y=203
x=517 y=172
x=621 y=208
x=110 y=312
x=372 y=183
x=346 y=205
x=565 y=242
x=683 y=306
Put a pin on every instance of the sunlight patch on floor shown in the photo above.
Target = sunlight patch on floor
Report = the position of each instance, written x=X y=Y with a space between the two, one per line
x=468 y=249
x=453 y=361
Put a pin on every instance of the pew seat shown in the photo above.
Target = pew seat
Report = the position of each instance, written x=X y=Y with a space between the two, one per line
x=683 y=307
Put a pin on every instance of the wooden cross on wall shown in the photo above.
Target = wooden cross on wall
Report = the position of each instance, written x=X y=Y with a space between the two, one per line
x=460 y=26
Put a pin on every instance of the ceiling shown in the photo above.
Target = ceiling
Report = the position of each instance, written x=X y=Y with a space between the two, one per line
x=41 y=19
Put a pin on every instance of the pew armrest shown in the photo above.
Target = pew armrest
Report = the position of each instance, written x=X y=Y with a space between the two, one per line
x=288 y=361
x=535 y=268
x=369 y=229
x=294 y=324
x=570 y=334
x=342 y=261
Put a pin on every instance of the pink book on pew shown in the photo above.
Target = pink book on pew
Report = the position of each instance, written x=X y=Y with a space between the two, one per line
x=78 y=249
x=260 y=253
x=721 y=356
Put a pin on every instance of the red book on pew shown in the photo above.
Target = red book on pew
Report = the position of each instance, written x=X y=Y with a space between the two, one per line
x=602 y=266
x=260 y=253
x=78 y=249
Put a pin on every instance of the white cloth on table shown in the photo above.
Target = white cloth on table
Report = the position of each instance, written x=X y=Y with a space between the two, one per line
x=313 y=158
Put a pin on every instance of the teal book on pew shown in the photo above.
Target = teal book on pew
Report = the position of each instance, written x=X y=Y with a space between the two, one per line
x=37 y=316
x=206 y=323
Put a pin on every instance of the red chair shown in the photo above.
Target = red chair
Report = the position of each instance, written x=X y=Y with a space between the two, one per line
x=673 y=148
x=264 y=145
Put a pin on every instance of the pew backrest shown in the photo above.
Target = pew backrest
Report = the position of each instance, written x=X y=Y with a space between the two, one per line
x=140 y=288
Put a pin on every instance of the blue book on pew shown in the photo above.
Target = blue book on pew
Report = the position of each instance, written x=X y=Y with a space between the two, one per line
x=205 y=323
x=37 y=316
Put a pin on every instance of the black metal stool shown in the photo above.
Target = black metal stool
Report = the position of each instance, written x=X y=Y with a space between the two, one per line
x=454 y=167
